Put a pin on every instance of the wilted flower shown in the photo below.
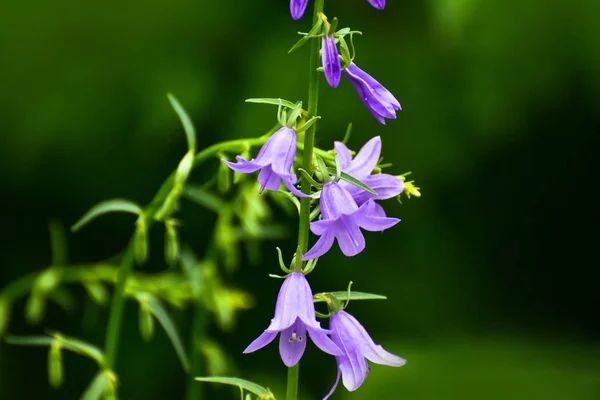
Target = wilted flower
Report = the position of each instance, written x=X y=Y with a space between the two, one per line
x=378 y=4
x=294 y=316
x=331 y=61
x=297 y=8
x=342 y=220
x=378 y=100
x=275 y=160
x=357 y=347
x=386 y=186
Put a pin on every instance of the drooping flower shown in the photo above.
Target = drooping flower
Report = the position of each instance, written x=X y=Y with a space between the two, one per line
x=331 y=61
x=342 y=220
x=378 y=100
x=378 y=4
x=297 y=8
x=357 y=347
x=386 y=186
x=294 y=316
x=275 y=160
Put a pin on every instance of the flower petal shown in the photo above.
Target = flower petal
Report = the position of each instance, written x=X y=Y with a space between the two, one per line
x=283 y=151
x=378 y=4
x=366 y=160
x=243 y=166
x=352 y=364
x=286 y=308
x=264 y=339
x=297 y=8
x=368 y=217
x=331 y=61
x=349 y=237
x=375 y=353
x=343 y=154
x=321 y=247
x=268 y=179
x=386 y=186
x=336 y=201
x=323 y=342
x=290 y=181
x=292 y=343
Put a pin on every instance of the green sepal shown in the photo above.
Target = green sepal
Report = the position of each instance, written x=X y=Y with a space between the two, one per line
x=97 y=292
x=146 y=323
x=224 y=178
x=344 y=176
x=114 y=205
x=140 y=241
x=188 y=126
x=316 y=29
x=258 y=390
x=184 y=168
x=55 y=365
x=275 y=102
x=318 y=298
x=171 y=243
x=346 y=138
x=345 y=53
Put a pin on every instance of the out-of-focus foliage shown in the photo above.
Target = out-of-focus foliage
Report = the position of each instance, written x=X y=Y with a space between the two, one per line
x=488 y=277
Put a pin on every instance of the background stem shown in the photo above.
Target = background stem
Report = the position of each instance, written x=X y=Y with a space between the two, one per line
x=292 y=383
x=194 y=390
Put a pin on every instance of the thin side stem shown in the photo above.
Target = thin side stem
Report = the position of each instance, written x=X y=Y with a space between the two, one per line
x=292 y=383
x=194 y=390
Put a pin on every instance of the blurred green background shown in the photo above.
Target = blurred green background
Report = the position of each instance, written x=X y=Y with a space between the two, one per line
x=490 y=278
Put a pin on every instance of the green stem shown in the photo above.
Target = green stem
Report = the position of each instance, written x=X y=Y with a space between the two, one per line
x=292 y=383
x=194 y=390
x=116 y=308
x=309 y=142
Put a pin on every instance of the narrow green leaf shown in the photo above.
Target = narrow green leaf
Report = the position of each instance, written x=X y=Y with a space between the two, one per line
x=353 y=296
x=5 y=312
x=188 y=126
x=184 y=168
x=344 y=176
x=96 y=388
x=203 y=198
x=81 y=347
x=275 y=102
x=241 y=383
x=114 y=205
x=314 y=30
x=30 y=340
x=158 y=310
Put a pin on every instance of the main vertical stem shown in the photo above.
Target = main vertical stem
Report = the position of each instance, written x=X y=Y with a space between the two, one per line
x=116 y=308
x=309 y=141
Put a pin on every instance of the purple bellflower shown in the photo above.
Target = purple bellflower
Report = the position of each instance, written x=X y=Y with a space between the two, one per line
x=378 y=4
x=274 y=160
x=378 y=100
x=358 y=347
x=331 y=61
x=297 y=8
x=342 y=220
x=386 y=186
x=294 y=316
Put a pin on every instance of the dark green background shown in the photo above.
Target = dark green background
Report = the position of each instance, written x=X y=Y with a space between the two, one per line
x=491 y=275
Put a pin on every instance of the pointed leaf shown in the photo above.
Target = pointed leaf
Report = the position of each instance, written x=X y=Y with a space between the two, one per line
x=114 y=205
x=96 y=388
x=158 y=310
x=344 y=176
x=81 y=347
x=275 y=102
x=188 y=126
x=353 y=296
x=241 y=383
x=203 y=198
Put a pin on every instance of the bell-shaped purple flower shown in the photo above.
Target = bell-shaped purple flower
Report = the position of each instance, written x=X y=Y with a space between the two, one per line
x=378 y=100
x=297 y=8
x=386 y=186
x=294 y=316
x=331 y=61
x=342 y=220
x=358 y=347
x=275 y=160
x=378 y=4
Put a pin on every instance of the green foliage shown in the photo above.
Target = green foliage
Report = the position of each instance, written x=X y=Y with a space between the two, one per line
x=243 y=384
x=108 y=206
x=321 y=297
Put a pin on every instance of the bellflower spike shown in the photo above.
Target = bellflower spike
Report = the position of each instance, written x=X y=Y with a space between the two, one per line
x=342 y=220
x=331 y=61
x=378 y=100
x=358 y=347
x=274 y=160
x=378 y=4
x=297 y=8
x=386 y=186
x=294 y=316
